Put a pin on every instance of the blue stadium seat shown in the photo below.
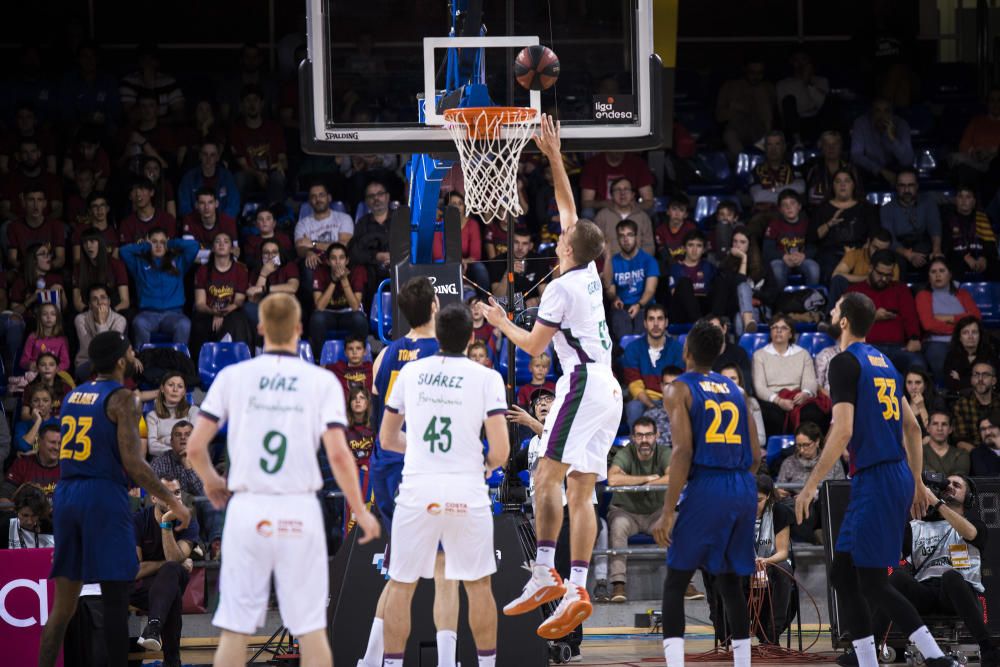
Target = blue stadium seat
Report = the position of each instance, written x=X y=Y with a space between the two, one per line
x=677 y=329
x=986 y=295
x=745 y=164
x=801 y=156
x=338 y=206
x=704 y=207
x=815 y=342
x=361 y=212
x=621 y=441
x=640 y=539
x=879 y=198
x=776 y=444
x=627 y=340
x=306 y=351
x=753 y=342
x=386 y=296
x=180 y=347
x=660 y=204
x=681 y=339
x=216 y=356
x=495 y=479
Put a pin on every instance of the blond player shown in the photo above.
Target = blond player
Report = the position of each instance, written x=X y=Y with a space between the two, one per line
x=278 y=408
x=584 y=418
x=445 y=400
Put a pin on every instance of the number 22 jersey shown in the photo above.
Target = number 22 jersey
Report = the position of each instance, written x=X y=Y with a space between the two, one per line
x=278 y=407
x=720 y=432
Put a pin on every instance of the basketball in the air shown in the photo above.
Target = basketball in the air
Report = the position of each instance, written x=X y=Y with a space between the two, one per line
x=536 y=67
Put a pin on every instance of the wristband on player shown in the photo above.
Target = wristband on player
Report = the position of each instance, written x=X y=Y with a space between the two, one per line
x=166 y=525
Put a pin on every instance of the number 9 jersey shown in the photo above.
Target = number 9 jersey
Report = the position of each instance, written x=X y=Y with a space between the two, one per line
x=720 y=434
x=278 y=407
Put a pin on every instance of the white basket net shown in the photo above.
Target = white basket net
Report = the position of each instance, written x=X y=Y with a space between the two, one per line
x=490 y=141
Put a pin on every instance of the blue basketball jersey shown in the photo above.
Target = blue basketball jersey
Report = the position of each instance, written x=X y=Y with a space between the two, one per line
x=397 y=354
x=89 y=438
x=720 y=431
x=878 y=426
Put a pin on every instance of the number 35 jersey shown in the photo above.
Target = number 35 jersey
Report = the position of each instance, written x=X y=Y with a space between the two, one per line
x=444 y=400
x=720 y=431
x=277 y=407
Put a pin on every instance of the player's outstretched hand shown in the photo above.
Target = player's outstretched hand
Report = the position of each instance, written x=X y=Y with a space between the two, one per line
x=663 y=527
x=181 y=514
x=369 y=525
x=547 y=137
x=923 y=498
x=802 y=503
x=492 y=311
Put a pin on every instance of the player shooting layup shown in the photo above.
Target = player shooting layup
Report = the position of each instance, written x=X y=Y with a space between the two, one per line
x=874 y=422
x=587 y=410
x=445 y=399
x=278 y=408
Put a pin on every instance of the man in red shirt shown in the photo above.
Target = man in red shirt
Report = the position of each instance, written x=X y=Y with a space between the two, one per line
x=205 y=221
x=35 y=228
x=145 y=217
x=600 y=171
x=337 y=293
x=251 y=245
x=896 y=332
x=41 y=468
x=670 y=235
x=259 y=147
x=29 y=170
x=785 y=242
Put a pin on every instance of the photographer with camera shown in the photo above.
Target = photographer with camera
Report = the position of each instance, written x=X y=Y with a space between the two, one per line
x=946 y=550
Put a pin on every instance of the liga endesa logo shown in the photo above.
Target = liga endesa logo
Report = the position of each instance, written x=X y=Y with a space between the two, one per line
x=264 y=528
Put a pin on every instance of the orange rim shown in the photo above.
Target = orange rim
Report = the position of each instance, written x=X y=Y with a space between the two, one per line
x=486 y=122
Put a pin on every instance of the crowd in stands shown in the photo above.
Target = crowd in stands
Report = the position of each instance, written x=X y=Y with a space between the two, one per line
x=167 y=214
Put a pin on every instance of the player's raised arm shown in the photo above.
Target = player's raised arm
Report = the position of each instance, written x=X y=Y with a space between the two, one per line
x=345 y=471
x=677 y=399
x=123 y=410
x=548 y=141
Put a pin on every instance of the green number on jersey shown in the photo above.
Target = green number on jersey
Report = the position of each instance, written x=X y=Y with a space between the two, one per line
x=605 y=339
x=440 y=438
x=275 y=444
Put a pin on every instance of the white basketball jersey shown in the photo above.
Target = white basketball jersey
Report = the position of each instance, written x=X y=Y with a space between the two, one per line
x=277 y=407
x=445 y=399
x=573 y=303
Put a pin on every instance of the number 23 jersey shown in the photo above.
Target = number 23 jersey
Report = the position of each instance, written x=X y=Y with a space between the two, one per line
x=720 y=432
x=277 y=407
x=445 y=399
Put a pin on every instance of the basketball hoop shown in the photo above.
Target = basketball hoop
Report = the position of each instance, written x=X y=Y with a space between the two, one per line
x=490 y=141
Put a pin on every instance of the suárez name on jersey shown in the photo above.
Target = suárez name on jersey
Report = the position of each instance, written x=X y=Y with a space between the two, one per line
x=440 y=380
x=279 y=383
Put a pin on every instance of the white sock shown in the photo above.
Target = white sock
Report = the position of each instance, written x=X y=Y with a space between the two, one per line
x=373 y=654
x=487 y=658
x=741 y=652
x=446 y=640
x=394 y=661
x=578 y=575
x=546 y=556
x=925 y=643
x=673 y=651
x=864 y=649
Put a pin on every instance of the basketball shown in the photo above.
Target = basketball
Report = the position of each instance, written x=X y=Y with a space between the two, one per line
x=536 y=67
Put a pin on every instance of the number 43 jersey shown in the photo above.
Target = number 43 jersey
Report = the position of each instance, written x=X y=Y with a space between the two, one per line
x=445 y=399
x=720 y=431
x=277 y=407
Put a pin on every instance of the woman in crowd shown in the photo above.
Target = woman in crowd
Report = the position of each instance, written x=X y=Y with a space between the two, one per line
x=735 y=373
x=220 y=290
x=360 y=436
x=920 y=393
x=170 y=406
x=968 y=343
x=841 y=222
x=733 y=291
x=784 y=380
x=273 y=275
x=39 y=283
x=772 y=582
x=58 y=382
x=97 y=266
x=797 y=467
x=939 y=306
x=158 y=266
x=31 y=525
x=164 y=198
x=99 y=220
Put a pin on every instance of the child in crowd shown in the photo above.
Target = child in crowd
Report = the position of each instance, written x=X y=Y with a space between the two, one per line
x=482 y=329
x=539 y=367
x=59 y=383
x=479 y=353
x=670 y=234
x=39 y=407
x=360 y=436
x=47 y=337
x=354 y=371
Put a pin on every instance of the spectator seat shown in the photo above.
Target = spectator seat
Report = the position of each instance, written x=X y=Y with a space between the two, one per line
x=180 y=347
x=216 y=356
x=306 y=351
x=814 y=342
x=333 y=351
x=986 y=296
x=751 y=342
x=777 y=444
x=629 y=339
